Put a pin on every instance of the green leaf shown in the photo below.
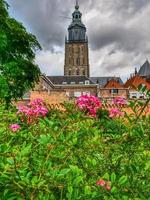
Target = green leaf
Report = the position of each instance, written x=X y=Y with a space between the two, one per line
x=74 y=141
x=75 y=169
x=41 y=183
x=93 y=162
x=77 y=180
x=34 y=180
x=125 y=198
x=87 y=190
x=147 y=165
x=106 y=176
x=70 y=191
x=113 y=177
x=114 y=190
x=56 y=128
x=63 y=172
x=3 y=40
x=12 y=198
x=45 y=139
x=26 y=150
x=123 y=180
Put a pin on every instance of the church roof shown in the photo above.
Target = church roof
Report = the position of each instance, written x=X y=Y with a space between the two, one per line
x=145 y=69
x=102 y=81
x=70 y=80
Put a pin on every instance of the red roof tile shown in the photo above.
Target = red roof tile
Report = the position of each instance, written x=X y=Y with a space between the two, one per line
x=136 y=81
x=113 y=84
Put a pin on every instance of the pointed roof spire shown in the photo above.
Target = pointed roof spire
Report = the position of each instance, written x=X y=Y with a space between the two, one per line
x=77 y=5
x=145 y=69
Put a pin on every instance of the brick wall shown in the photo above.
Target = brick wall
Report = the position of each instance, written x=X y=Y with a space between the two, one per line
x=105 y=93
x=54 y=97
x=76 y=52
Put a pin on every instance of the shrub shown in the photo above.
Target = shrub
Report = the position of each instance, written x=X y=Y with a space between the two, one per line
x=31 y=113
x=69 y=155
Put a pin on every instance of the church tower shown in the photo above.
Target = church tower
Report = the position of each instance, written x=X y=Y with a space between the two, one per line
x=76 y=47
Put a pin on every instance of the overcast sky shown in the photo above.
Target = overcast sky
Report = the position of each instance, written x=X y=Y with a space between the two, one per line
x=118 y=31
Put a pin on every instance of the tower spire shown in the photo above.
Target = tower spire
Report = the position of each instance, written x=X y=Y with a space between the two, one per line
x=77 y=5
x=75 y=63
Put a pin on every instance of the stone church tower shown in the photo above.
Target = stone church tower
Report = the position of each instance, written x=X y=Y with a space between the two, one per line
x=76 y=47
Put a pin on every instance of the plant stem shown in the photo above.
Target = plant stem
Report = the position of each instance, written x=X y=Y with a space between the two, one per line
x=142 y=110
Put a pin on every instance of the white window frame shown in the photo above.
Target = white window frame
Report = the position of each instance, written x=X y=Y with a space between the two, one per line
x=64 y=83
x=72 y=83
x=87 y=82
x=81 y=83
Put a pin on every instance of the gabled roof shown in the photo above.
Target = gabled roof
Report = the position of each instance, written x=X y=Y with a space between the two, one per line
x=145 y=69
x=135 y=81
x=68 y=80
x=102 y=81
x=113 y=84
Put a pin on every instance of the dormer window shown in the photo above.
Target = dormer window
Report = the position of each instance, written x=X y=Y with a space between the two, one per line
x=64 y=83
x=73 y=83
x=87 y=82
x=81 y=83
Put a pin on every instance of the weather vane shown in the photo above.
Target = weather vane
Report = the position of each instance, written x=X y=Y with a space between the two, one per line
x=76 y=6
x=77 y=2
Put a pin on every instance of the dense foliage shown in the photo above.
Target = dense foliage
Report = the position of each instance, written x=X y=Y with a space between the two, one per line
x=70 y=155
x=18 y=72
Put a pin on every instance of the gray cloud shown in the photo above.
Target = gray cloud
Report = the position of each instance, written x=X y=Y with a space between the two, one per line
x=118 y=30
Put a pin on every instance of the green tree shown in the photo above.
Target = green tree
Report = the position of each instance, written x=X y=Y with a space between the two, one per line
x=18 y=71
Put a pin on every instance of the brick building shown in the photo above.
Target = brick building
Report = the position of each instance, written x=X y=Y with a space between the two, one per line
x=139 y=78
x=113 y=88
x=76 y=81
x=57 y=89
x=133 y=84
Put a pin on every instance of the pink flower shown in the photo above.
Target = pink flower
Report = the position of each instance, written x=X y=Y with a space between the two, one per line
x=104 y=184
x=115 y=112
x=89 y=104
x=32 y=111
x=36 y=102
x=14 y=127
x=108 y=187
x=119 y=101
x=101 y=182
